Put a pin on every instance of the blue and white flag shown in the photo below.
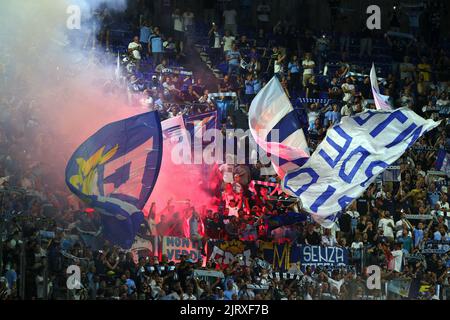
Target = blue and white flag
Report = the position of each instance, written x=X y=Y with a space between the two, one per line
x=353 y=154
x=443 y=162
x=115 y=172
x=381 y=101
x=276 y=128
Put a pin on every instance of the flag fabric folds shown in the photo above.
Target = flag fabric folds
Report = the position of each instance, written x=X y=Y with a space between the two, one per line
x=381 y=101
x=276 y=128
x=353 y=154
x=115 y=171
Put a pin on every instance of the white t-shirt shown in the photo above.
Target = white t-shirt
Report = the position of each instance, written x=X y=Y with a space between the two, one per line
x=336 y=284
x=233 y=211
x=383 y=223
x=228 y=42
x=278 y=67
x=230 y=16
x=135 y=49
x=346 y=111
x=348 y=87
x=177 y=23
x=399 y=227
x=329 y=241
x=308 y=63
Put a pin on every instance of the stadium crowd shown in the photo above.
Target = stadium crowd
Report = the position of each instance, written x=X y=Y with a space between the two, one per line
x=392 y=225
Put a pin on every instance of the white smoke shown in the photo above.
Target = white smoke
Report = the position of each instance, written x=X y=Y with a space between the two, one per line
x=65 y=83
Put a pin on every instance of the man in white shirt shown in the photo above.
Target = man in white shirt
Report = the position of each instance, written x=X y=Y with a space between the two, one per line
x=134 y=49
x=228 y=40
x=335 y=283
x=346 y=110
x=328 y=240
x=308 y=68
x=387 y=224
x=401 y=224
x=349 y=89
x=443 y=201
x=229 y=16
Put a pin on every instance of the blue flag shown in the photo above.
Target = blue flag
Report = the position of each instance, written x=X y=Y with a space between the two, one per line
x=443 y=161
x=115 y=172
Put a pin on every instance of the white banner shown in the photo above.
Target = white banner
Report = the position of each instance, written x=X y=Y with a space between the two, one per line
x=353 y=154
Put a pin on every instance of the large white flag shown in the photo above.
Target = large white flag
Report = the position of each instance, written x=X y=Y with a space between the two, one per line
x=353 y=154
x=381 y=101
x=275 y=126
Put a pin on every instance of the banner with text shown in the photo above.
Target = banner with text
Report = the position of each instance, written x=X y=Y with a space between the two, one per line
x=353 y=154
x=174 y=247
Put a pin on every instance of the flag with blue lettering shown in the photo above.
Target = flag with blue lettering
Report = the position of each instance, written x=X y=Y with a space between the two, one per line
x=115 y=171
x=276 y=128
x=353 y=154
x=443 y=162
